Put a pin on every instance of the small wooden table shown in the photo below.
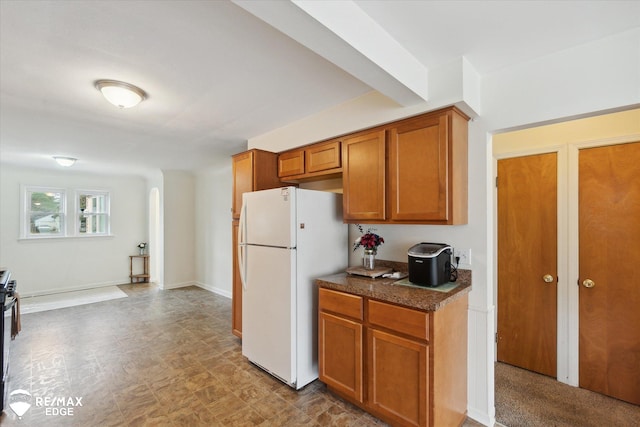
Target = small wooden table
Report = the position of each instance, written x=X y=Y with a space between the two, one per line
x=139 y=278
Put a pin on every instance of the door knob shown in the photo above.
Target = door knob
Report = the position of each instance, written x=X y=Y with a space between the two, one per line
x=588 y=283
x=547 y=278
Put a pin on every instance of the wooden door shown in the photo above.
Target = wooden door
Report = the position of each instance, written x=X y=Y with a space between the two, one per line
x=609 y=256
x=363 y=177
x=527 y=256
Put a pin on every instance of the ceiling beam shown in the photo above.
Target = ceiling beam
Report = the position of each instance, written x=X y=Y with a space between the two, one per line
x=345 y=35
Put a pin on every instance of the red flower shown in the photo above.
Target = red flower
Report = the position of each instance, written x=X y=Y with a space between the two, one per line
x=369 y=240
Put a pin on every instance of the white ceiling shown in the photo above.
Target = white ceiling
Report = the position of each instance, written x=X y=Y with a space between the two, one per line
x=218 y=74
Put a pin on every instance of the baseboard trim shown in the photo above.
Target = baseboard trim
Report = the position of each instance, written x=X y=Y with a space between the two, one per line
x=481 y=417
x=179 y=285
x=214 y=289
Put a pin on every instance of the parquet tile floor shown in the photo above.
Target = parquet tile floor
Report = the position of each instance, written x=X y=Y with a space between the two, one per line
x=156 y=358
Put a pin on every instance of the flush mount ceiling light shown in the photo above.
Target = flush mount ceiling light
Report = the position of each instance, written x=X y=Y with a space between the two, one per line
x=120 y=94
x=65 y=161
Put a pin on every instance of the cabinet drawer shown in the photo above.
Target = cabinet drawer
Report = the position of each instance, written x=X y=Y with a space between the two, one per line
x=341 y=303
x=321 y=157
x=400 y=319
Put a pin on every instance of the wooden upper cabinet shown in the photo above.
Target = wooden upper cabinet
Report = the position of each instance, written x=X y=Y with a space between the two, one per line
x=252 y=170
x=322 y=157
x=428 y=169
x=291 y=163
x=312 y=162
x=363 y=177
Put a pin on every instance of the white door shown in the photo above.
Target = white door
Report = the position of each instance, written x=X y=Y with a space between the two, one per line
x=269 y=217
x=268 y=310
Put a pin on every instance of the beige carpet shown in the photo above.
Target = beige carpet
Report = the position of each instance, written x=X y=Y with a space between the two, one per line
x=524 y=398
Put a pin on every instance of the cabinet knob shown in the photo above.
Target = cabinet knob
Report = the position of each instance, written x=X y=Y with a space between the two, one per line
x=588 y=283
x=547 y=278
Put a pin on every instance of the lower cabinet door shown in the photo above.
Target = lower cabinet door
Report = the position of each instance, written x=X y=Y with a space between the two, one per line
x=398 y=376
x=340 y=355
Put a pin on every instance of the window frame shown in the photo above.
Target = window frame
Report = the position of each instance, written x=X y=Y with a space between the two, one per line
x=25 y=215
x=69 y=211
x=77 y=212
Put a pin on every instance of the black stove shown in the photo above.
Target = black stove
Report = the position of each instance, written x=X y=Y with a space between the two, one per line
x=8 y=300
x=7 y=286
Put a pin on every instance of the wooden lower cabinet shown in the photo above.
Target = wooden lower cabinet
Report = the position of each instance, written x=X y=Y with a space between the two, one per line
x=398 y=378
x=407 y=367
x=340 y=347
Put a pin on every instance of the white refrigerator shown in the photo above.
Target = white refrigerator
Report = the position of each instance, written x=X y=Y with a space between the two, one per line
x=287 y=238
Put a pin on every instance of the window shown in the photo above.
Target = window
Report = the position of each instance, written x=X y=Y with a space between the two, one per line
x=93 y=212
x=44 y=213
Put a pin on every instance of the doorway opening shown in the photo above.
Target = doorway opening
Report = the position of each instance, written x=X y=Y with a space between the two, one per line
x=155 y=235
x=570 y=140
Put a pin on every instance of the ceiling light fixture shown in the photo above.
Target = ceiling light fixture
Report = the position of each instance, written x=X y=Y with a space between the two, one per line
x=121 y=94
x=65 y=161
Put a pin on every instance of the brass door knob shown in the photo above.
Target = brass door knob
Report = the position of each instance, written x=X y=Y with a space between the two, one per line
x=588 y=283
x=547 y=278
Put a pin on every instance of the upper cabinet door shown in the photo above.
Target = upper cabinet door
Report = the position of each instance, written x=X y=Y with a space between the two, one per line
x=363 y=177
x=291 y=163
x=242 y=171
x=252 y=170
x=428 y=169
x=418 y=169
x=321 y=157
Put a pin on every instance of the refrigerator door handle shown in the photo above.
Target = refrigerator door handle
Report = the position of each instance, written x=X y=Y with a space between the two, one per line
x=242 y=266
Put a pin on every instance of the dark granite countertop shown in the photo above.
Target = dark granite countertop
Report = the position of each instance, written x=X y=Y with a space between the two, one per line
x=386 y=289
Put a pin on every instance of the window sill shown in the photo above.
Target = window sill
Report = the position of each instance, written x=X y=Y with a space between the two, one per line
x=46 y=238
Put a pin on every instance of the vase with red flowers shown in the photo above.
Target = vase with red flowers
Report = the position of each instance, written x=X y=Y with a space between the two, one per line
x=370 y=242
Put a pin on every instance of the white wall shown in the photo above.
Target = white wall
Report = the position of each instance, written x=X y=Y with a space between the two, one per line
x=62 y=264
x=213 y=219
x=155 y=224
x=179 y=229
x=594 y=77
x=598 y=76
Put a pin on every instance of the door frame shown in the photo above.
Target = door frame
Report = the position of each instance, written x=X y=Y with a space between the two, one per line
x=562 y=287
x=568 y=268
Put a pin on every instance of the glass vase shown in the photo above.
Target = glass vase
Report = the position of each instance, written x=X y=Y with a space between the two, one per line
x=369 y=259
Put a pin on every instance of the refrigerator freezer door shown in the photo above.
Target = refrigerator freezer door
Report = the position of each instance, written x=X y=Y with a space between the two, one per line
x=270 y=217
x=268 y=311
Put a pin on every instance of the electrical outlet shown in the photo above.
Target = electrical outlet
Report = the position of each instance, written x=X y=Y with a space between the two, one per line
x=464 y=254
